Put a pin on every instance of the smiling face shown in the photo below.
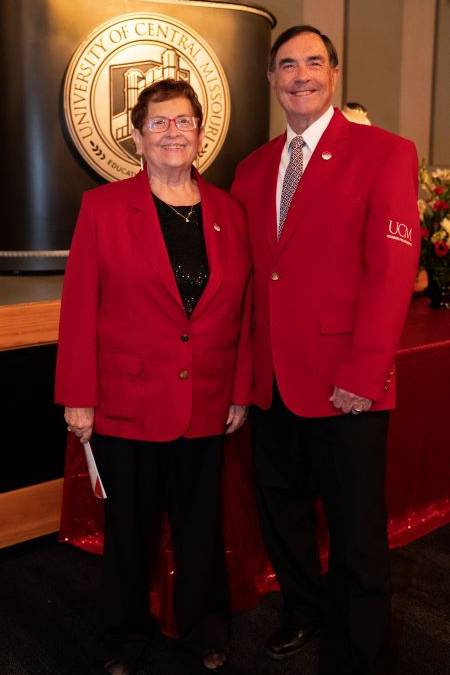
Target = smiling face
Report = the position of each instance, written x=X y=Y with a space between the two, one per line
x=171 y=150
x=303 y=79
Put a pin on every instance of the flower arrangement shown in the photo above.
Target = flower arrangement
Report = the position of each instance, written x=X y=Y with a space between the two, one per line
x=434 y=210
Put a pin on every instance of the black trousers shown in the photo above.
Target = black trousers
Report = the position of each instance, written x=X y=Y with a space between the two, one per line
x=341 y=459
x=142 y=479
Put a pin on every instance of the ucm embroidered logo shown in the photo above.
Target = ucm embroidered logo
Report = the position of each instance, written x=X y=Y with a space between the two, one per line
x=399 y=232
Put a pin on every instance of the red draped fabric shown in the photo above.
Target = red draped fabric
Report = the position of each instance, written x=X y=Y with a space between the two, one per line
x=418 y=477
x=417 y=489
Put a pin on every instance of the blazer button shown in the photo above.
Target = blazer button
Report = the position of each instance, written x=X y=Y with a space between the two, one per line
x=274 y=276
x=184 y=338
x=184 y=374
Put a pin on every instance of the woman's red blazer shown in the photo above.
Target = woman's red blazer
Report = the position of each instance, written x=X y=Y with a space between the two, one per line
x=126 y=346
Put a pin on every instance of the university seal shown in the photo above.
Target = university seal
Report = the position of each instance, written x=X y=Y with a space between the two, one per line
x=110 y=69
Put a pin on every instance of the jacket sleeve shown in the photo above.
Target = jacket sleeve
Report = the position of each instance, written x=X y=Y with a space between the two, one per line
x=390 y=255
x=76 y=365
x=243 y=377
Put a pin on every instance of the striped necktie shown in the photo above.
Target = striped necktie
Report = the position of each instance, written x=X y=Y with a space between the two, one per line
x=291 y=179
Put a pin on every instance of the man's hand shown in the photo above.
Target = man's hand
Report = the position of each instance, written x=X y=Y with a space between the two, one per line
x=80 y=421
x=236 y=417
x=347 y=402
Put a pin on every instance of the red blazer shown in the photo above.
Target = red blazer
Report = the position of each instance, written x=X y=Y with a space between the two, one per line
x=331 y=296
x=126 y=346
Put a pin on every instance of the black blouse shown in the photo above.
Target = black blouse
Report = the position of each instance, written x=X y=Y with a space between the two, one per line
x=185 y=243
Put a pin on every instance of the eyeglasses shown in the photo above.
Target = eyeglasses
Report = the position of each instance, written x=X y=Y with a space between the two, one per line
x=157 y=125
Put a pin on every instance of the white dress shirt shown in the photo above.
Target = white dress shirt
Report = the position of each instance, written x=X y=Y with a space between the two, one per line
x=311 y=137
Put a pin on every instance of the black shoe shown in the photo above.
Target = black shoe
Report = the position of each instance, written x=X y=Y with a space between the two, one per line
x=114 y=667
x=210 y=662
x=288 y=641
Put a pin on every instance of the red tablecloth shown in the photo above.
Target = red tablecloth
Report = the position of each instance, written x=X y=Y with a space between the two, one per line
x=418 y=482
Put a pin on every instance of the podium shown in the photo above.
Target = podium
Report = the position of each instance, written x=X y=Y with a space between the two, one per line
x=33 y=429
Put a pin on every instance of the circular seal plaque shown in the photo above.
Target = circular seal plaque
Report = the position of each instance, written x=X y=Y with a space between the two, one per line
x=110 y=69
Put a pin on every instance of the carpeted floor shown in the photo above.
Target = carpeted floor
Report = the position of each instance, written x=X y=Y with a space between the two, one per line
x=47 y=626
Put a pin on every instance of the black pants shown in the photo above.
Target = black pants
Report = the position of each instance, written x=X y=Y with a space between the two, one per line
x=141 y=479
x=342 y=460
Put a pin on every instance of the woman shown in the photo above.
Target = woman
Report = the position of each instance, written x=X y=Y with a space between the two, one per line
x=154 y=361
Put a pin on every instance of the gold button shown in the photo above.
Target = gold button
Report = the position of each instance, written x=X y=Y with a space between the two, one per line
x=184 y=374
x=275 y=276
x=217 y=227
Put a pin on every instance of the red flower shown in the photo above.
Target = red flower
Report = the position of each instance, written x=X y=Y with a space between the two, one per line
x=439 y=189
x=441 y=249
x=440 y=205
x=424 y=232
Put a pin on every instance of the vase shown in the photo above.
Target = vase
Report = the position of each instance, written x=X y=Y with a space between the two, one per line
x=439 y=289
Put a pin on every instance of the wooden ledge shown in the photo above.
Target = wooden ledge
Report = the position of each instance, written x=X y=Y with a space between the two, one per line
x=30 y=512
x=29 y=324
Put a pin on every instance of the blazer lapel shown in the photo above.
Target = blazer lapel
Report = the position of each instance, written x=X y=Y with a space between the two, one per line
x=268 y=182
x=215 y=237
x=325 y=163
x=145 y=228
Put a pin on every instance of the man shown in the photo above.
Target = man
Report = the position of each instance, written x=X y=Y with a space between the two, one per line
x=334 y=231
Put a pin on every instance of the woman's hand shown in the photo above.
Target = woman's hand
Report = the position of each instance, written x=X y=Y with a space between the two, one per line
x=80 y=421
x=236 y=417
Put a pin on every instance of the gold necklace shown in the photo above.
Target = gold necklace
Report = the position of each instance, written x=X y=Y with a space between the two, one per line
x=186 y=218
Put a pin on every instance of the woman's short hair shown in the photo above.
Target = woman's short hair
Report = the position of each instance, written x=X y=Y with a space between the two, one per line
x=298 y=30
x=164 y=90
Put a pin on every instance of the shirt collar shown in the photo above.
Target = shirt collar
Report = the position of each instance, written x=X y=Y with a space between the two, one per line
x=312 y=134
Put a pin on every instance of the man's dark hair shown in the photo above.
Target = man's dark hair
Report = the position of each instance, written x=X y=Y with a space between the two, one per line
x=298 y=30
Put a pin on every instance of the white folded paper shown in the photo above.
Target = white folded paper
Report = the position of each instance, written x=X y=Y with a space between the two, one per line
x=96 y=481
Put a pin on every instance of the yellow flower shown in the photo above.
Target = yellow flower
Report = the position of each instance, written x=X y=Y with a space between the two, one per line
x=422 y=207
x=440 y=235
x=442 y=174
x=445 y=224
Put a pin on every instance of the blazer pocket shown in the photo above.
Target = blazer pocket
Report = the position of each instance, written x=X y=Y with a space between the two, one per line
x=120 y=390
x=338 y=319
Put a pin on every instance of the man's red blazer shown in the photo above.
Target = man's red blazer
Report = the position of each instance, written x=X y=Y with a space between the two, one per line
x=332 y=294
x=126 y=346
